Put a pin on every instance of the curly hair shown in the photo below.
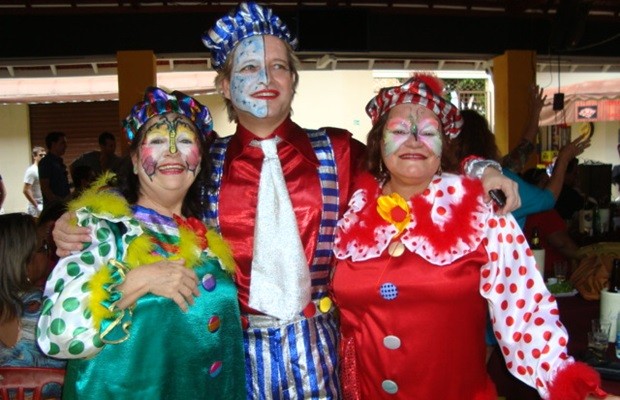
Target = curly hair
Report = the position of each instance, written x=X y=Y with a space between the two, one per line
x=476 y=138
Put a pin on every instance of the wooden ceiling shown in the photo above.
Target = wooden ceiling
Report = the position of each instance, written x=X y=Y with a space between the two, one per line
x=53 y=34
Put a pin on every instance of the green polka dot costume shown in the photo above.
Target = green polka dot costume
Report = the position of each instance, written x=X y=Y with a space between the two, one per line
x=152 y=350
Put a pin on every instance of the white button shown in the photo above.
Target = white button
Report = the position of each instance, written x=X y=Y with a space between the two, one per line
x=391 y=342
x=389 y=386
x=396 y=249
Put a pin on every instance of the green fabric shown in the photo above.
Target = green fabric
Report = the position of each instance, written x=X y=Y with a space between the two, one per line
x=159 y=332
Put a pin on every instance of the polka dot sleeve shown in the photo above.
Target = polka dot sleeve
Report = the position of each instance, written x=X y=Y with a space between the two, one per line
x=525 y=315
x=66 y=328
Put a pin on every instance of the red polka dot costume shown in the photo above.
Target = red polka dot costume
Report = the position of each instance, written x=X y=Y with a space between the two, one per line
x=413 y=304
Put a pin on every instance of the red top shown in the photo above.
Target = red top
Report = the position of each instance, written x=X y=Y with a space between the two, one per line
x=548 y=222
x=239 y=191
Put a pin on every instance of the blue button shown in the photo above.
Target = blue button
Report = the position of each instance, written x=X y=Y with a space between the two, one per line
x=388 y=291
x=389 y=386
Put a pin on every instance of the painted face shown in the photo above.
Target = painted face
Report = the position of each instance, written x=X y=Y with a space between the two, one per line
x=420 y=124
x=261 y=81
x=412 y=144
x=249 y=76
x=170 y=147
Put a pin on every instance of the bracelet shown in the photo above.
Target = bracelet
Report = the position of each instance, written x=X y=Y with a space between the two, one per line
x=476 y=167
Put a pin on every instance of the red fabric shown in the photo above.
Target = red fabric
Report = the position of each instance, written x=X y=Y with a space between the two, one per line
x=458 y=227
x=348 y=370
x=439 y=316
x=575 y=382
x=437 y=309
x=442 y=238
x=239 y=191
x=547 y=222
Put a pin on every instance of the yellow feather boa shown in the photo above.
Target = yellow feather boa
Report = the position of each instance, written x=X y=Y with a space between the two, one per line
x=100 y=201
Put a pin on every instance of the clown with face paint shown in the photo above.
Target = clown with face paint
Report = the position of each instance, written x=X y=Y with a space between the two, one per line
x=148 y=309
x=252 y=50
x=421 y=258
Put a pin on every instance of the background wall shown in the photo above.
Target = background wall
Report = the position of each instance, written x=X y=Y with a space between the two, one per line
x=324 y=98
x=14 y=154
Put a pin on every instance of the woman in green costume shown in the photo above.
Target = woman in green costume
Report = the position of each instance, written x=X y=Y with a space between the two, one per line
x=148 y=310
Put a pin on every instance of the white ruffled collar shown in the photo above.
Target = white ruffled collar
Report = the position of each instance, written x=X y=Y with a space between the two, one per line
x=447 y=222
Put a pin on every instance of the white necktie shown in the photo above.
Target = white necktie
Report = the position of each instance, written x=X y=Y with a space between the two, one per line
x=280 y=280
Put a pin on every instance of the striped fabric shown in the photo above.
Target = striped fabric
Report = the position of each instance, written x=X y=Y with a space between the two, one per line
x=423 y=89
x=246 y=20
x=296 y=360
x=163 y=231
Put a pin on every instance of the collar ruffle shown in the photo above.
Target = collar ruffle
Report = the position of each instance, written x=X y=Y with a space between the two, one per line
x=447 y=221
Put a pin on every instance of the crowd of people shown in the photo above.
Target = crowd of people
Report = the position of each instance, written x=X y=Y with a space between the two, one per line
x=402 y=225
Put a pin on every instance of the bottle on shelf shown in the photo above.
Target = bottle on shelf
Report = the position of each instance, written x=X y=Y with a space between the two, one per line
x=596 y=224
x=586 y=216
x=538 y=250
x=613 y=286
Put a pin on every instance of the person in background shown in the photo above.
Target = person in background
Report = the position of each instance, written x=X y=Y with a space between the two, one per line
x=45 y=258
x=32 y=187
x=82 y=176
x=518 y=156
x=571 y=198
x=20 y=300
x=99 y=161
x=52 y=169
x=552 y=228
x=2 y=194
x=252 y=52
x=615 y=176
x=476 y=138
x=148 y=309
x=421 y=259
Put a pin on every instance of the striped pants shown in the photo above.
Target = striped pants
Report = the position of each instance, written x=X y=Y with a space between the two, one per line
x=296 y=360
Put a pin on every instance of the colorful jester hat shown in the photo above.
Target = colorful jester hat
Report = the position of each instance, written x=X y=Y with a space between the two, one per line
x=246 y=20
x=423 y=89
x=158 y=102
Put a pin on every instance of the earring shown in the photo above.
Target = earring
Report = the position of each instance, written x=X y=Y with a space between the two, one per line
x=439 y=170
x=135 y=170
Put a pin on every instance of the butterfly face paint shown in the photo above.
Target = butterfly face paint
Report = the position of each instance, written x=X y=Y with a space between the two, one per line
x=415 y=122
x=170 y=134
x=249 y=76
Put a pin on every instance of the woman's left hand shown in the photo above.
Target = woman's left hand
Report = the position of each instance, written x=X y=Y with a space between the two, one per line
x=493 y=179
x=609 y=397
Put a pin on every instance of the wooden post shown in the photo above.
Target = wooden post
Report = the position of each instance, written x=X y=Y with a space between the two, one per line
x=513 y=74
x=137 y=70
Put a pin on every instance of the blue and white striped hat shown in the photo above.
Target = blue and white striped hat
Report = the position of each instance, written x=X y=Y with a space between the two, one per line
x=246 y=20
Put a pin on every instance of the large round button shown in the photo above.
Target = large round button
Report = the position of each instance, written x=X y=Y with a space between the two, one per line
x=215 y=369
x=396 y=249
x=388 y=291
x=325 y=304
x=391 y=342
x=389 y=386
x=208 y=282
x=214 y=324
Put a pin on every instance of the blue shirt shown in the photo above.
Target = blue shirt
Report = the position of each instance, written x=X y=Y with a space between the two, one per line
x=533 y=198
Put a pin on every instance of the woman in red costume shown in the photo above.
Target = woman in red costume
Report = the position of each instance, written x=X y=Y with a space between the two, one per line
x=421 y=257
